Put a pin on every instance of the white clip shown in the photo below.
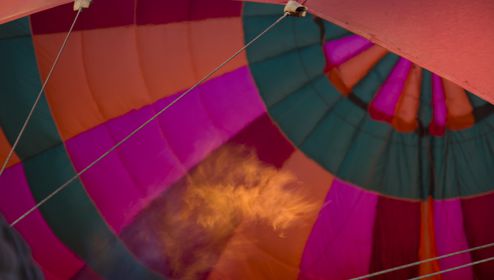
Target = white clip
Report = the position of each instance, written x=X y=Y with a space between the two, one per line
x=81 y=4
x=294 y=8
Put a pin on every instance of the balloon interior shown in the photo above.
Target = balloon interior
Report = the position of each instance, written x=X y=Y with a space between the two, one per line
x=314 y=154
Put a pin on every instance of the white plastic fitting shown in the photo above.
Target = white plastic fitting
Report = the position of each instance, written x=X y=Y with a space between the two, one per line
x=295 y=9
x=81 y=4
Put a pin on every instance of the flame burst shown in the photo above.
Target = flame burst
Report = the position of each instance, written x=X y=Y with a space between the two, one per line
x=194 y=221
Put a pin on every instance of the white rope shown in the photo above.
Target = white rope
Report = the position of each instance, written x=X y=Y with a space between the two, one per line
x=424 y=261
x=40 y=94
x=105 y=154
x=454 y=268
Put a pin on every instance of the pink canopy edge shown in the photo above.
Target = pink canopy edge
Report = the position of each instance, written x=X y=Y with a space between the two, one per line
x=452 y=38
x=14 y=9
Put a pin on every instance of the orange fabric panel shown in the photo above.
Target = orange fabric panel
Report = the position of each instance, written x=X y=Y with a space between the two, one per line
x=452 y=38
x=427 y=240
x=14 y=9
x=105 y=73
x=68 y=92
x=257 y=252
x=182 y=53
x=460 y=110
x=405 y=119
x=347 y=75
x=5 y=149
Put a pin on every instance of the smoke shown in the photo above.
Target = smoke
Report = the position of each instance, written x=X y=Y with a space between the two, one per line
x=193 y=222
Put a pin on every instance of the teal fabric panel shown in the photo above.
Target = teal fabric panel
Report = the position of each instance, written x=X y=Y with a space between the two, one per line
x=19 y=85
x=70 y=214
x=337 y=131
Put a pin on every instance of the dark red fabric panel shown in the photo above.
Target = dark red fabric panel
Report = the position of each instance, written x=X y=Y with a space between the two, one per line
x=267 y=140
x=396 y=237
x=166 y=11
x=111 y=13
x=479 y=229
x=102 y=13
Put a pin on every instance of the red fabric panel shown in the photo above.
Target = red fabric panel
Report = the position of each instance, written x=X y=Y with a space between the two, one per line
x=270 y=144
x=101 y=14
x=479 y=229
x=166 y=11
x=111 y=13
x=396 y=237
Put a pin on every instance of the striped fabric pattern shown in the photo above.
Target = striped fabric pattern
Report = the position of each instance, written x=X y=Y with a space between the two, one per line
x=397 y=159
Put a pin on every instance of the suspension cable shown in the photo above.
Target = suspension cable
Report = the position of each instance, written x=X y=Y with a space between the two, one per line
x=135 y=131
x=453 y=268
x=424 y=261
x=39 y=95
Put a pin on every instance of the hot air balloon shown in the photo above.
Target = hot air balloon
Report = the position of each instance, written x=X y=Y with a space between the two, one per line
x=319 y=153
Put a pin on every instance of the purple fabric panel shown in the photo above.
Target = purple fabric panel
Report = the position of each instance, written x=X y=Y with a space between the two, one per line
x=124 y=182
x=54 y=258
x=232 y=100
x=147 y=157
x=104 y=14
x=340 y=50
x=110 y=183
x=166 y=11
x=210 y=115
x=388 y=96
x=450 y=237
x=439 y=106
x=340 y=244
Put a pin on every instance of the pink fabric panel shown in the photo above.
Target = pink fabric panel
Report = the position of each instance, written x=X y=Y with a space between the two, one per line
x=341 y=241
x=60 y=262
x=383 y=105
x=450 y=237
x=440 y=113
x=340 y=50
x=124 y=182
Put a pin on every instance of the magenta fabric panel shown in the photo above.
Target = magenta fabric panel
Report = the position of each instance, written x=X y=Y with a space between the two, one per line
x=123 y=183
x=340 y=244
x=104 y=14
x=109 y=183
x=440 y=112
x=450 y=237
x=261 y=136
x=479 y=229
x=383 y=106
x=16 y=199
x=340 y=50
x=210 y=115
x=396 y=237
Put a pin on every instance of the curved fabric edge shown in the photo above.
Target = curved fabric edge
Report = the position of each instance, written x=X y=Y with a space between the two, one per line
x=165 y=150
x=256 y=251
x=12 y=10
x=340 y=244
x=15 y=198
x=142 y=63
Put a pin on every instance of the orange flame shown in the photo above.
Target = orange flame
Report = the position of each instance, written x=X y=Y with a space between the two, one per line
x=198 y=216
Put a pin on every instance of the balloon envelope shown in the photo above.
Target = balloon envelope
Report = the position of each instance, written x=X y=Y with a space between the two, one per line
x=395 y=160
x=446 y=37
